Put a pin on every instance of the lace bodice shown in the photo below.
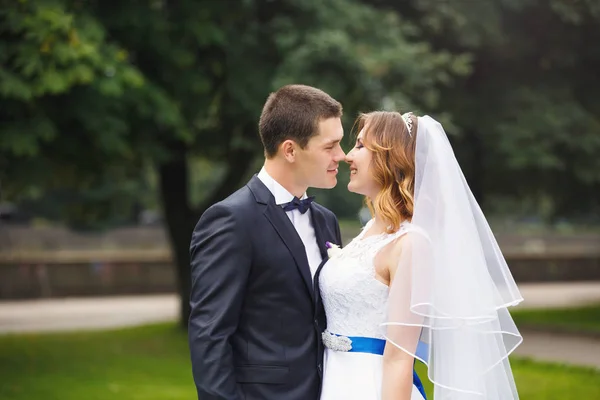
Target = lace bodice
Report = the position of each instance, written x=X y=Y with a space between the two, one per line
x=355 y=301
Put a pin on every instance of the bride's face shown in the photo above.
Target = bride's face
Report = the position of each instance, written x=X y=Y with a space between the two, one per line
x=361 y=176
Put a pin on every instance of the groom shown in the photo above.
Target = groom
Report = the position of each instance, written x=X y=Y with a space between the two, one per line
x=256 y=320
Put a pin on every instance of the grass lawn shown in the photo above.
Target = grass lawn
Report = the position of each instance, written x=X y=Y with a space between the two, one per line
x=576 y=320
x=152 y=363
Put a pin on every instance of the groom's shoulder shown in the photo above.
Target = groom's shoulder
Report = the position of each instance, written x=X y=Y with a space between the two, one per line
x=236 y=204
x=240 y=199
x=328 y=213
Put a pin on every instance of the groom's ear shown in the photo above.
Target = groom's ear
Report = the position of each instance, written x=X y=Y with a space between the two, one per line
x=289 y=149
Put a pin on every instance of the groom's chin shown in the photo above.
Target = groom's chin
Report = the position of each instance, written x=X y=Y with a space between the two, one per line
x=329 y=184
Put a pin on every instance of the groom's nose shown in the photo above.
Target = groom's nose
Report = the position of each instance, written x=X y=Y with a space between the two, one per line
x=339 y=155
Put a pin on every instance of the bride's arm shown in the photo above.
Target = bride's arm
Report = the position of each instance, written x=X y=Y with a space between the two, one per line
x=398 y=365
x=397 y=374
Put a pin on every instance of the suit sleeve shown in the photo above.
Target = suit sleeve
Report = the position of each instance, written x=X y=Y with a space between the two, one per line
x=220 y=264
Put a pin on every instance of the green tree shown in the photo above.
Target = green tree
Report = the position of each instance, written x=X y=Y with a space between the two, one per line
x=169 y=84
x=526 y=117
x=62 y=86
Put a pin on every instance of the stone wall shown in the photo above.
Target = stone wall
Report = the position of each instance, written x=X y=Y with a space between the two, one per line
x=55 y=262
x=153 y=273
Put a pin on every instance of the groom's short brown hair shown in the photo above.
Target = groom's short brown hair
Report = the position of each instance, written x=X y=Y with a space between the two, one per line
x=293 y=112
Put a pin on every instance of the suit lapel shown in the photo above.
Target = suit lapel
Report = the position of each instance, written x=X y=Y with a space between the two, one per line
x=286 y=231
x=318 y=222
x=288 y=234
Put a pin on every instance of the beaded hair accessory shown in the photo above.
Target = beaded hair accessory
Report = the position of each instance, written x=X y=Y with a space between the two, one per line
x=406 y=117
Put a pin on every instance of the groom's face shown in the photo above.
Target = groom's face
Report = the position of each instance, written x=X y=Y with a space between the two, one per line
x=318 y=161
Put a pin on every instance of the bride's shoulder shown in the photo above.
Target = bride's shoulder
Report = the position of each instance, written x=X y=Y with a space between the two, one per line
x=402 y=240
x=412 y=230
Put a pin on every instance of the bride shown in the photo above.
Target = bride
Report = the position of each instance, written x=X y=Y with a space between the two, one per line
x=424 y=280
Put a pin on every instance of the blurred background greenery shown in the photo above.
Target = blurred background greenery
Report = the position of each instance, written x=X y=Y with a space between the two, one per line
x=147 y=111
x=144 y=113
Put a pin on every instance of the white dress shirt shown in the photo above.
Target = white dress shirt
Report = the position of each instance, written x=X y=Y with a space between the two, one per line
x=302 y=222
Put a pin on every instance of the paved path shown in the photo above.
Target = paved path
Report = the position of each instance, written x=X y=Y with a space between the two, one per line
x=568 y=349
x=111 y=312
x=555 y=295
x=86 y=313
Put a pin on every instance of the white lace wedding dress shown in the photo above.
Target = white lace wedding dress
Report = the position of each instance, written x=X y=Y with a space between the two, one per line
x=355 y=305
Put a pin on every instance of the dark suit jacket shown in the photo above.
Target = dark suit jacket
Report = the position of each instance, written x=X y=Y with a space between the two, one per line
x=256 y=321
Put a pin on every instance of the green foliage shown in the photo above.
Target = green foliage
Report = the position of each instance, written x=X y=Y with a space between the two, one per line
x=575 y=320
x=60 y=85
x=92 y=97
x=368 y=59
x=527 y=115
x=90 y=94
x=152 y=362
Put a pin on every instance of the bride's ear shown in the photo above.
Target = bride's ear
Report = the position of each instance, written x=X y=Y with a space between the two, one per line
x=289 y=150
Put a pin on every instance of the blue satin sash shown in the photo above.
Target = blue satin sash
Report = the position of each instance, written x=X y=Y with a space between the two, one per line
x=362 y=344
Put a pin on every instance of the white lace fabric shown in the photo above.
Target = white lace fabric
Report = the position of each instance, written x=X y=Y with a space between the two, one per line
x=355 y=301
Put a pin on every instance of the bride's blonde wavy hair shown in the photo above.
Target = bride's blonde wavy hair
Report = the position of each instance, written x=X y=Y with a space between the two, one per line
x=393 y=164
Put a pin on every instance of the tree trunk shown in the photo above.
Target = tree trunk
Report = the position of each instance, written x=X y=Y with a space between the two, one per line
x=238 y=162
x=180 y=219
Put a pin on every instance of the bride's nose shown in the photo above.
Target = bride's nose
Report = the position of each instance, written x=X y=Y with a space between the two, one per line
x=349 y=157
x=340 y=155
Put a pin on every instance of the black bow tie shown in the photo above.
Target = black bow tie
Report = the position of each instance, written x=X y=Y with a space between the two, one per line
x=297 y=204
